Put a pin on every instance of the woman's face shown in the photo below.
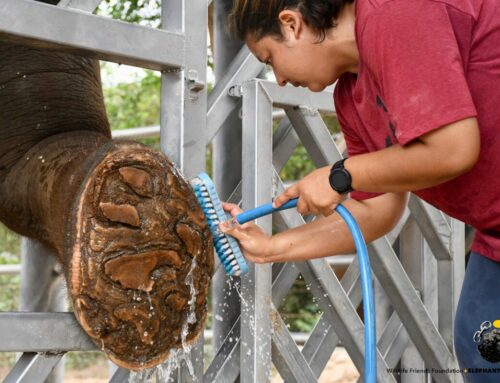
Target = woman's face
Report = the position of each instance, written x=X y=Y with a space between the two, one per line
x=301 y=58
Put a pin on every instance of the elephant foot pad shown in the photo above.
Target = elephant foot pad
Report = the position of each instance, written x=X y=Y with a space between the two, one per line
x=141 y=257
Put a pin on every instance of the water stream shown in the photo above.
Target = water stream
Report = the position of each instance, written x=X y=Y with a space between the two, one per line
x=164 y=371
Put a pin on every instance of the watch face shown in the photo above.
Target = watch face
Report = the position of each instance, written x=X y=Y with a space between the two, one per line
x=339 y=180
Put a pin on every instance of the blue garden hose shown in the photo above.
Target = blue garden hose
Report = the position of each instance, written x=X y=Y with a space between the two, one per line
x=365 y=271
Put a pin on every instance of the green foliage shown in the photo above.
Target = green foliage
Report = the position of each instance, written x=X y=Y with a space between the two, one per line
x=299 y=310
x=80 y=360
x=144 y=12
x=131 y=105
x=300 y=164
x=10 y=243
x=9 y=284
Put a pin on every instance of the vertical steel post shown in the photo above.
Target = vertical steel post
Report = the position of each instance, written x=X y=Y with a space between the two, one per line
x=183 y=109
x=42 y=287
x=255 y=351
x=414 y=253
x=226 y=170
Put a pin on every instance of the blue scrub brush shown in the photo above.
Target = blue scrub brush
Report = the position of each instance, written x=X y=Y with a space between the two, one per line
x=226 y=247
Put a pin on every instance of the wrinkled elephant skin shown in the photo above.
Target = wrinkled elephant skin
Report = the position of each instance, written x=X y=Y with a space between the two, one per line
x=124 y=224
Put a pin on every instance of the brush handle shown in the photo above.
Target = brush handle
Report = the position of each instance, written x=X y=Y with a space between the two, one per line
x=263 y=210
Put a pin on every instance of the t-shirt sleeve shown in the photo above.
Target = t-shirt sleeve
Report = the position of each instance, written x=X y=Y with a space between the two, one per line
x=411 y=51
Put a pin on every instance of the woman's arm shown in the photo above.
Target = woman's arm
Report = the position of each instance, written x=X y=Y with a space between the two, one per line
x=432 y=159
x=323 y=237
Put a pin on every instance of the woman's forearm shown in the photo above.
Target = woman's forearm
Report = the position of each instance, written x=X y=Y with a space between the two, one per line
x=433 y=159
x=330 y=235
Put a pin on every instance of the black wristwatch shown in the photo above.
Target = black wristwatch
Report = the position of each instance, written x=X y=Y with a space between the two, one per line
x=340 y=178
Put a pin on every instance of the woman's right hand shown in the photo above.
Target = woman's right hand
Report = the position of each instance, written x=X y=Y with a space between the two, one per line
x=253 y=241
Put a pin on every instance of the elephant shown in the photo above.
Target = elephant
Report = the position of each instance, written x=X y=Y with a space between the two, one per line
x=126 y=226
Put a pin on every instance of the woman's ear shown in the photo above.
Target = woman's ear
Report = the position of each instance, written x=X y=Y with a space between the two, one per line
x=291 y=23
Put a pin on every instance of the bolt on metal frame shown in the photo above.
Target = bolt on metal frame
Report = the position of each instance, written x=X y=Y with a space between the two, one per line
x=417 y=323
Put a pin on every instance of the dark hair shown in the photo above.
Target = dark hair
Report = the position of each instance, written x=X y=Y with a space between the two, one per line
x=260 y=17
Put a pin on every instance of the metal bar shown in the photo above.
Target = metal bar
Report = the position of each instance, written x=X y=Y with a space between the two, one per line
x=290 y=96
x=82 y=5
x=10 y=269
x=410 y=309
x=393 y=340
x=447 y=309
x=26 y=332
x=341 y=314
x=255 y=352
x=172 y=121
x=120 y=376
x=323 y=340
x=135 y=133
x=285 y=140
x=84 y=34
x=414 y=256
x=321 y=344
x=339 y=311
x=33 y=367
x=337 y=306
x=433 y=226
x=220 y=104
x=314 y=134
x=286 y=356
x=225 y=365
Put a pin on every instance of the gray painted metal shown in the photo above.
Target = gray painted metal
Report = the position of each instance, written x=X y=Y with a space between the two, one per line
x=183 y=111
x=287 y=358
x=121 y=375
x=220 y=103
x=82 y=5
x=42 y=287
x=226 y=165
x=433 y=225
x=90 y=35
x=32 y=367
x=10 y=269
x=41 y=332
x=135 y=133
x=410 y=309
x=289 y=95
x=255 y=348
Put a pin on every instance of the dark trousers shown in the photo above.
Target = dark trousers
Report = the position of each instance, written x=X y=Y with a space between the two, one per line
x=479 y=302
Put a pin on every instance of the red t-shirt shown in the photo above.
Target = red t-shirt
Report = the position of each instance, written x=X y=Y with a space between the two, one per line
x=426 y=64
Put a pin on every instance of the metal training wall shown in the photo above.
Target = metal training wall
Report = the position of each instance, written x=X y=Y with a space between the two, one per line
x=418 y=267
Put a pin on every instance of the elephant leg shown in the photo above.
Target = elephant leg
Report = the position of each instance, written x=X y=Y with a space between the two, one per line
x=125 y=225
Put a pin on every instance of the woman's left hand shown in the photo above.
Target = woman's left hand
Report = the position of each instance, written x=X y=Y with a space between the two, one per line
x=253 y=241
x=315 y=194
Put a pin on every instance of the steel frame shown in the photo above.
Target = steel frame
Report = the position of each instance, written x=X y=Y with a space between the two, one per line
x=419 y=288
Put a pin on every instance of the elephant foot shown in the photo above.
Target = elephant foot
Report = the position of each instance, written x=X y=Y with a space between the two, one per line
x=139 y=257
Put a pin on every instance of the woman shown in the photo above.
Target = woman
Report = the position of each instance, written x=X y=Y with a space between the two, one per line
x=418 y=83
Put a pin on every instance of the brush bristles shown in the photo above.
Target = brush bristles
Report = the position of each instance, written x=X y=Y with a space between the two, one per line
x=226 y=247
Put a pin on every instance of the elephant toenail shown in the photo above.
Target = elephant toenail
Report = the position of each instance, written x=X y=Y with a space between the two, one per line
x=139 y=180
x=121 y=213
x=191 y=238
x=134 y=271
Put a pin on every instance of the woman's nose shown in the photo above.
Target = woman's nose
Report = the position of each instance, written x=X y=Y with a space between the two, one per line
x=282 y=82
x=280 y=79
